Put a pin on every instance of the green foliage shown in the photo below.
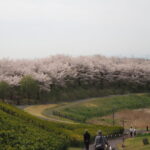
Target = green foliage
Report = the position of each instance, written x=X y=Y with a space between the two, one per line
x=19 y=130
x=29 y=93
x=29 y=87
x=103 y=106
x=76 y=93
x=4 y=89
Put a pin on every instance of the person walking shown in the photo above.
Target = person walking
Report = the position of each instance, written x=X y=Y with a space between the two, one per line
x=134 y=132
x=146 y=128
x=131 y=131
x=86 y=138
x=100 y=141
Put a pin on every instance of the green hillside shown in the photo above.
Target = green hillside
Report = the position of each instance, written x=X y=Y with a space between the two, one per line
x=21 y=131
x=98 y=107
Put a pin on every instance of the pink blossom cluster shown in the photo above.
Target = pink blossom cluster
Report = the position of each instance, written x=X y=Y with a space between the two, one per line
x=62 y=70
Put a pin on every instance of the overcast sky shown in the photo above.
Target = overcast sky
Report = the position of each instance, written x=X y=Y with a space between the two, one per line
x=39 y=28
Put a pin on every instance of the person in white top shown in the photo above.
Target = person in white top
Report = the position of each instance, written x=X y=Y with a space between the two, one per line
x=134 y=131
x=131 y=131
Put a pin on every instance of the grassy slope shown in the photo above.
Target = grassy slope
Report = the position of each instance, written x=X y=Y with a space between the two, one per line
x=19 y=129
x=103 y=106
x=136 y=143
x=20 y=133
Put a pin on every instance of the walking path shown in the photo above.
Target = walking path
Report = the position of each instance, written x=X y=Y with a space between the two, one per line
x=38 y=110
x=112 y=142
x=119 y=140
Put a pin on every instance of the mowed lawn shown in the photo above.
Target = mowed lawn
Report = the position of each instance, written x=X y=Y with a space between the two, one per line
x=99 y=107
x=136 y=143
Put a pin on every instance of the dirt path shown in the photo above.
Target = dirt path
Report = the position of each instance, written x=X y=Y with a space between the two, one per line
x=37 y=110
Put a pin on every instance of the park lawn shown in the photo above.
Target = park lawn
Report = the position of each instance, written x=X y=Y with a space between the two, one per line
x=136 y=143
x=99 y=107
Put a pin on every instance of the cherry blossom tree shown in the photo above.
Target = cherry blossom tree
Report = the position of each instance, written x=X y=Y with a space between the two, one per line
x=59 y=72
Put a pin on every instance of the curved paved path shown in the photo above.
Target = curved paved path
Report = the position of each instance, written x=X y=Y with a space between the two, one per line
x=112 y=142
x=37 y=110
x=119 y=140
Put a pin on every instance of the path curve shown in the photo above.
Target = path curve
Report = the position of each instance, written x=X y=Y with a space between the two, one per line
x=37 y=111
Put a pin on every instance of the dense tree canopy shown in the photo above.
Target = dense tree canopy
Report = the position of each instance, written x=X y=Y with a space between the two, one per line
x=4 y=89
x=29 y=87
x=63 y=71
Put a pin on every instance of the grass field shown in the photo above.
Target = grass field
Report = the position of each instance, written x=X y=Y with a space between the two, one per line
x=99 y=107
x=136 y=143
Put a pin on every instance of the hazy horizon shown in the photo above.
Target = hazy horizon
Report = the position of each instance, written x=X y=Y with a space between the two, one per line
x=37 y=29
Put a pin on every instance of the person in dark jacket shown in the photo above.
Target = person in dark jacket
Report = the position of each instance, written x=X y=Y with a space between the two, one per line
x=86 y=138
x=146 y=128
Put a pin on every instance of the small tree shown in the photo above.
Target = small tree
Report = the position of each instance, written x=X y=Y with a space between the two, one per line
x=4 y=90
x=29 y=87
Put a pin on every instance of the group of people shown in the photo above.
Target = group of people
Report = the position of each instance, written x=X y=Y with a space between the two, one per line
x=132 y=131
x=100 y=141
